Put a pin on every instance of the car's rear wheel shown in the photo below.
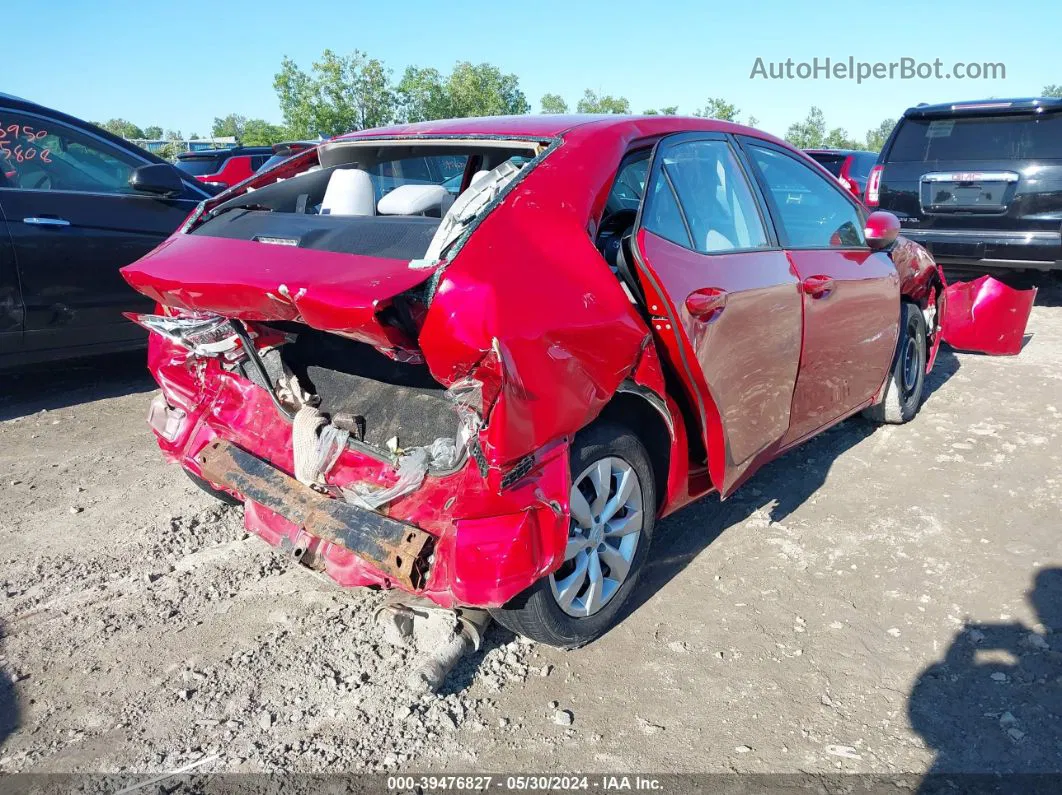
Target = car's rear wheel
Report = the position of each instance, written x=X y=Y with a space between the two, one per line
x=613 y=509
x=903 y=390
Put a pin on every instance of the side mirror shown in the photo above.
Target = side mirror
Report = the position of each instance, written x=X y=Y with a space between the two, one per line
x=881 y=230
x=159 y=178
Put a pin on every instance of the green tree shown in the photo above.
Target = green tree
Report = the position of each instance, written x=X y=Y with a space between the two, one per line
x=153 y=132
x=719 y=108
x=670 y=110
x=592 y=103
x=469 y=90
x=752 y=122
x=554 y=103
x=121 y=127
x=877 y=136
x=1054 y=90
x=422 y=95
x=230 y=126
x=259 y=132
x=809 y=133
x=482 y=90
x=837 y=138
x=340 y=94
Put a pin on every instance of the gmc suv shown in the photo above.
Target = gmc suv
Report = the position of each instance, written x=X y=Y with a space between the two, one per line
x=977 y=183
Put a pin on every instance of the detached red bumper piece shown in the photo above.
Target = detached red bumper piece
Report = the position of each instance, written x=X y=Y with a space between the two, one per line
x=987 y=316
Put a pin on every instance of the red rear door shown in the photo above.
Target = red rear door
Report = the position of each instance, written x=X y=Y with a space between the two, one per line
x=851 y=295
x=724 y=301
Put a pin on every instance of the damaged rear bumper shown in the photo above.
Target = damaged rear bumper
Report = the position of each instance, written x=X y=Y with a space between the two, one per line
x=460 y=539
x=396 y=549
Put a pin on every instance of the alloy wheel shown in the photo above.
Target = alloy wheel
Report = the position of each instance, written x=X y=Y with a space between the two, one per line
x=606 y=526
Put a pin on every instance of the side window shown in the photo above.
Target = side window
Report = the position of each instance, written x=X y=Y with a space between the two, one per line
x=812 y=213
x=257 y=161
x=38 y=154
x=701 y=200
x=629 y=185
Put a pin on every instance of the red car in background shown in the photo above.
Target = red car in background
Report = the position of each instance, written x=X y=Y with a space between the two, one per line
x=851 y=167
x=223 y=168
x=488 y=401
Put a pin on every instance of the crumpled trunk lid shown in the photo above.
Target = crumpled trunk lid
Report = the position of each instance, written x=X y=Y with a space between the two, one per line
x=250 y=280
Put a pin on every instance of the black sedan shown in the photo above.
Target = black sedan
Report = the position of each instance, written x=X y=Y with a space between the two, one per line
x=76 y=204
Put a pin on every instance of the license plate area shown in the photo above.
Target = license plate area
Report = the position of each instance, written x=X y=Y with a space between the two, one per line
x=981 y=192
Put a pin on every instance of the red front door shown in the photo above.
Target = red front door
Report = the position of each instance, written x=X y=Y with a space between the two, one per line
x=724 y=301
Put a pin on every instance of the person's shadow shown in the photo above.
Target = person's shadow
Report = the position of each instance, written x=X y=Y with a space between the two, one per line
x=992 y=708
x=9 y=711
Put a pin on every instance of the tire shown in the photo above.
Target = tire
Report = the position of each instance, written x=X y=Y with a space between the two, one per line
x=903 y=390
x=221 y=496
x=590 y=611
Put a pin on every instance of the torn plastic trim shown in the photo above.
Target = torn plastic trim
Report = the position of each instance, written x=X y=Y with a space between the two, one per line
x=463 y=211
x=451 y=250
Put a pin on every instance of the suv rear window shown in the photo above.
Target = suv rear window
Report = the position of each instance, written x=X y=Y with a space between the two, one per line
x=979 y=138
x=198 y=166
x=831 y=163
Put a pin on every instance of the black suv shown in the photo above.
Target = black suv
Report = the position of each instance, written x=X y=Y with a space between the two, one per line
x=977 y=183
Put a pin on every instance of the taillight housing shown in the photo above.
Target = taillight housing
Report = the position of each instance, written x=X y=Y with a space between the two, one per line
x=874 y=186
x=201 y=333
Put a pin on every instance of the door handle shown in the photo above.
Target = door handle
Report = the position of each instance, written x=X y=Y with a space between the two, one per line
x=818 y=286
x=46 y=221
x=706 y=303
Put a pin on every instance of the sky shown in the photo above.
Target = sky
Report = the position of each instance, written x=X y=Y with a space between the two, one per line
x=179 y=65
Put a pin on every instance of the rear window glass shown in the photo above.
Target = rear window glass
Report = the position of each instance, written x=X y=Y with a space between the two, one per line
x=831 y=163
x=985 y=138
x=198 y=166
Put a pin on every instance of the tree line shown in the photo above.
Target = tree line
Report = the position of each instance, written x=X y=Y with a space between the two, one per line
x=343 y=93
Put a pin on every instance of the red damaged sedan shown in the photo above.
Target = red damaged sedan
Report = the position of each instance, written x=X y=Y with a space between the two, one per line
x=486 y=392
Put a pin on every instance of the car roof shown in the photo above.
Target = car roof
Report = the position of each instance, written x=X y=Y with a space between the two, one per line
x=985 y=107
x=828 y=151
x=550 y=125
x=232 y=151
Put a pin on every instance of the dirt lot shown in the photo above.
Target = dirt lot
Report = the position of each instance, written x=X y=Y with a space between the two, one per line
x=879 y=600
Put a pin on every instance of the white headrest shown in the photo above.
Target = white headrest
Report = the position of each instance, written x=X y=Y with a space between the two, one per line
x=476 y=177
x=414 y=200
x=349 y=192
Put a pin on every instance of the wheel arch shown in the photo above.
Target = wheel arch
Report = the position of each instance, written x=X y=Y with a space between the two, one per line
x=649 y=418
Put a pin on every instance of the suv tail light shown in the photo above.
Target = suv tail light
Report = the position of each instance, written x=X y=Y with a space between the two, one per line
x=874 y=186
x=203 y=335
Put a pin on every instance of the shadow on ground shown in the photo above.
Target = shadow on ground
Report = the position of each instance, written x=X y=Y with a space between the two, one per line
x=993 y=705
x=62 y=384
x=9 y=712
x=779 y=489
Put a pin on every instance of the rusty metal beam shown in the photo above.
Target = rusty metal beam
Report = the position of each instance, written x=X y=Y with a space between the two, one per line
x=395 y=548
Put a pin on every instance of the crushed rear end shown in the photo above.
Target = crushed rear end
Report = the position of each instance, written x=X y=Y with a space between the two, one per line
x=389 y=410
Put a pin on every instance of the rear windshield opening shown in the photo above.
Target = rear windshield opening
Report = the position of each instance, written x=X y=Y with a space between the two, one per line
x=384 y=198
x=979 y=138
x=831 y=163
x=198 y=166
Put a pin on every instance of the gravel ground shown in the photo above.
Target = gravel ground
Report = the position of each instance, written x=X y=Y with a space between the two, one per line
x=880 y=600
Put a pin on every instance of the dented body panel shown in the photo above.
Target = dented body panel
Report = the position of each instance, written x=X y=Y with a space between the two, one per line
x=987 y=316
x=517 y=319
